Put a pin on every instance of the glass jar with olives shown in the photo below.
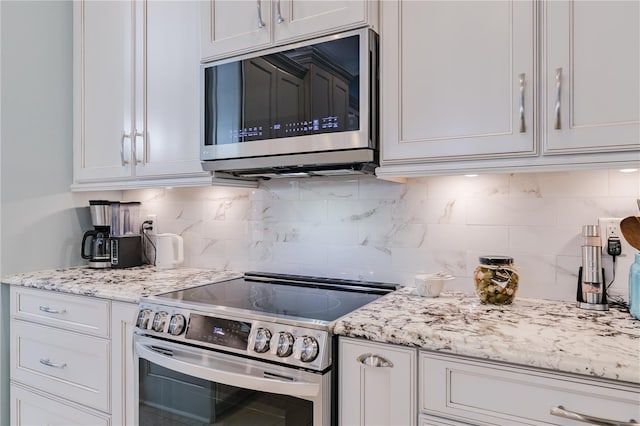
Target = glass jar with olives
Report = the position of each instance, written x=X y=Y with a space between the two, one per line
x=496 y=280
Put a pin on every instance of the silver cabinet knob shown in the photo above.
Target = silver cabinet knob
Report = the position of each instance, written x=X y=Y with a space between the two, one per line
x=263 y=338
x=177 y=325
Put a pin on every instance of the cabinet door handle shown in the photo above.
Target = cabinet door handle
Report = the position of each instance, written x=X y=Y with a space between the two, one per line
x=49 y=310
x=135 y=146
x=560 y=411
x=124 y=136
x=374 y=360
x=279 y=17
x=48 y=363
x=260 y=21
x=558 y=123
x=523 y=126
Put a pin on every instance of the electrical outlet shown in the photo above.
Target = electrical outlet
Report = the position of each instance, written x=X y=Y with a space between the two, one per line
x=609 y=228
x=154 y=221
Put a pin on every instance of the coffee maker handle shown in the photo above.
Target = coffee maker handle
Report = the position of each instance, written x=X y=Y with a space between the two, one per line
x=84 y=240
x=179 y=242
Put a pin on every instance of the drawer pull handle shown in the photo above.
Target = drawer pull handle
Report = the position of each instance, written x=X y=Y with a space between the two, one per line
x=48 y=363
x=373 y=360
x=52 y=310
x=560 y=411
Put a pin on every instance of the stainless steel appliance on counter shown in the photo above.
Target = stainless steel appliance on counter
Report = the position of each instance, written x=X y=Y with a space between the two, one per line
x=592 y=289
x=99 y=251
x=126 y=235
x=253 y=350
x=309 y=108
x=116 y=240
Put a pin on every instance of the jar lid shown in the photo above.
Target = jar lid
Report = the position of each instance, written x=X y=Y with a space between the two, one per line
x=496 y=260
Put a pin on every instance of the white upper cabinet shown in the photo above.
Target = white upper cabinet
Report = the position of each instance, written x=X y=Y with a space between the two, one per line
x=458 y=79
x=591 y=66
x=136 y=90
x=231 y=27
x=168 y=90
x=103 y=89
x=461 y=91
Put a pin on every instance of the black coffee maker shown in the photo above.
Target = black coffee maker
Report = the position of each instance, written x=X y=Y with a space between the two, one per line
x=98 y=239
x=116 y=240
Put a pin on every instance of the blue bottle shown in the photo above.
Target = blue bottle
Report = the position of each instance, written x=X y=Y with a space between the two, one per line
x=634 y=287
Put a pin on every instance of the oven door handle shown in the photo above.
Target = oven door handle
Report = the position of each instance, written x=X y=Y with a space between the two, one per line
x=226 y=371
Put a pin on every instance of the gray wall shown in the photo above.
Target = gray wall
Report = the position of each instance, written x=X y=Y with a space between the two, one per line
x=41 y=220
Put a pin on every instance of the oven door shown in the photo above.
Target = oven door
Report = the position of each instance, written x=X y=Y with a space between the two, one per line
x=179 y=384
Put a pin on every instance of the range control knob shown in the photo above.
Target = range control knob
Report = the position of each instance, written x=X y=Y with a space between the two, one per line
x=263 y=337
x=284 y=344
x=159 y=321
x=144 y=316
x=309 y=350
x=177 y=324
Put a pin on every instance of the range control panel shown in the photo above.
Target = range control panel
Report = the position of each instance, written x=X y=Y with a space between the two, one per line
x=286 y=344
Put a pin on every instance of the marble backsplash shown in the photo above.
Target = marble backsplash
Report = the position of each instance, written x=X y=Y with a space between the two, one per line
x=364 y=228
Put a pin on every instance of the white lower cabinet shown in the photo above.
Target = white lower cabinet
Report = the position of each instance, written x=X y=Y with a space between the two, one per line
x=30 y=407
x=382 y=384
x=71 y=359
x=377 y=384
x=123 y=317
x=483 y=392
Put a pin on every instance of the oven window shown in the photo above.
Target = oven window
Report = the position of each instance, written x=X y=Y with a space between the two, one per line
x=171 y=398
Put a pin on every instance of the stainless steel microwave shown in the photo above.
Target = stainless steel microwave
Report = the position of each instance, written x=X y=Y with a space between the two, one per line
x=310 y=108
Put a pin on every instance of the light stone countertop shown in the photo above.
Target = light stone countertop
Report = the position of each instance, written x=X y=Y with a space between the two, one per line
x=537 y=333
x=125 y=285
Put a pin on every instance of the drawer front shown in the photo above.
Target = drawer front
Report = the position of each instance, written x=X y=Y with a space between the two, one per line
x=425 y=420
x=30 y=408
x=68 y=311
x=71 y=365
x=491 y=393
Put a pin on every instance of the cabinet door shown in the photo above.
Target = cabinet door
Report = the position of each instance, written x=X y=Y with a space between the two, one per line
x=30 y=408
x=123 y=377
x=591 y=68
x=168 y=88
x=457 y=79
x=103 y=89
x=377 y=384
x=234 y=26
x=309 y=18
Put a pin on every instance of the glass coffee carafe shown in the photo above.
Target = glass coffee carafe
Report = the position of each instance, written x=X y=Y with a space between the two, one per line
x=97 y=240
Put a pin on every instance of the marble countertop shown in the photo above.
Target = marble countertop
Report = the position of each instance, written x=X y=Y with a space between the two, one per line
x=537 y=333
x=125 y=285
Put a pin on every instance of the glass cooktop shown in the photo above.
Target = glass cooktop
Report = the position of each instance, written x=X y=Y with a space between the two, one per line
x=296 y=296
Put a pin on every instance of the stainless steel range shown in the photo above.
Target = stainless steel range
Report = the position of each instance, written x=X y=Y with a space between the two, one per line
x=254 y=350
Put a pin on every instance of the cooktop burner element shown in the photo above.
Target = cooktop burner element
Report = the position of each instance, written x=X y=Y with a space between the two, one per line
x=275 y=317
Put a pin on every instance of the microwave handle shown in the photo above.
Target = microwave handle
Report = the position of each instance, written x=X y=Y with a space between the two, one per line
x=225 y=372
